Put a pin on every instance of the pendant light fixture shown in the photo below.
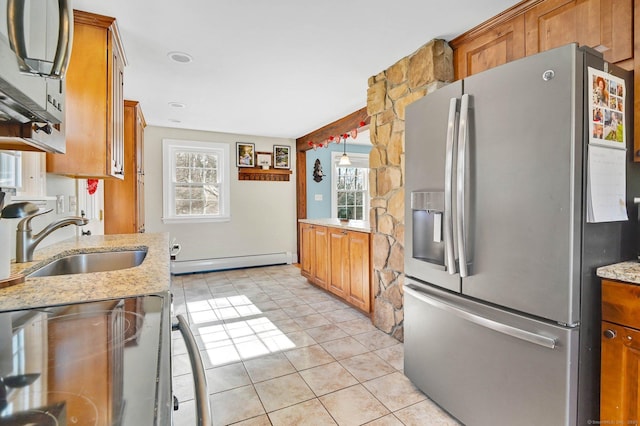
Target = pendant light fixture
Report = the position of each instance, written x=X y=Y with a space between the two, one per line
x=344 y=160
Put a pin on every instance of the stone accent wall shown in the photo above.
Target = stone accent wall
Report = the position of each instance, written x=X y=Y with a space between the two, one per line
x=389 y=93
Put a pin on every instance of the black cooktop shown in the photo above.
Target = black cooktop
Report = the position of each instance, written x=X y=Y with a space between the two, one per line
x=82 y=364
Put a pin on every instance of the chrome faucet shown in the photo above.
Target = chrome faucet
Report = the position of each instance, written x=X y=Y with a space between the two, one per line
x=26 y=242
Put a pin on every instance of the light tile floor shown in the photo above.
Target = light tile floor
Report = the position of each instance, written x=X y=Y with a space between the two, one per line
x=279 y=351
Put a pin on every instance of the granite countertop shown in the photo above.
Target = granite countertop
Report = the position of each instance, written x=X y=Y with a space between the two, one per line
x=353 y=225
x=152 y=276
x=624 y=271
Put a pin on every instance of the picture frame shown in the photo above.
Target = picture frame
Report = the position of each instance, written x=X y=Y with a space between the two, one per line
x=264 y=159
x=245 y=154
x=281 y=157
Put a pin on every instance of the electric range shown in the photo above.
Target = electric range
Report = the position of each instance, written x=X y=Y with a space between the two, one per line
x=95 y=363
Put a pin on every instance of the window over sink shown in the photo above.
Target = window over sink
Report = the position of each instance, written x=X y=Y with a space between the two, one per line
x=195 y=181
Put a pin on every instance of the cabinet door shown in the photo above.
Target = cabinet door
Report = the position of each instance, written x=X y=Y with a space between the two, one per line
x=140 y=203
x=307 y=252
x=359 y=270
x=494 y=47
x=595 y=23
x=123 y=197
x=115 y=141
x=94 y=102
x=140 y=125
x=339 y=261
x=321 y=251
x=619 y=395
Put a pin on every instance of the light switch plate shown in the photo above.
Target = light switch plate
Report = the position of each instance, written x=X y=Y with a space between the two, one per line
x=59 y=204
x=318 y=197
x=73 y=204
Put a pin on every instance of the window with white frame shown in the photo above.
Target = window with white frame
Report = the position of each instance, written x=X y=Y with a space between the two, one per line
x=195 y=181
x=350 y=187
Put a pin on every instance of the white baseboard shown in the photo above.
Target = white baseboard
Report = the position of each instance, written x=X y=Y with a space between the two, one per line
x=219 y=264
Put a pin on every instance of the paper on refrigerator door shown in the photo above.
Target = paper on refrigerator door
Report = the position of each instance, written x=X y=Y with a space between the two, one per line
x=606 y=185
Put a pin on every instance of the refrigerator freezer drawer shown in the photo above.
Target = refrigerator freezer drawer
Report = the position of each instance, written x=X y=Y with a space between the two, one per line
x=486 y=366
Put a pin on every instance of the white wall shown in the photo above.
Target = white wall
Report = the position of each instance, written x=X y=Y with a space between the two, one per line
x=263 y=214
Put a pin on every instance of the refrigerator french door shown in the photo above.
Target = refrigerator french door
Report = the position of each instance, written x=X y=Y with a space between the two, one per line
x=497 y=253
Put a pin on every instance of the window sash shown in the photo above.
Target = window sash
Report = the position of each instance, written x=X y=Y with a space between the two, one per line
x=196 y=181
x=350 y=188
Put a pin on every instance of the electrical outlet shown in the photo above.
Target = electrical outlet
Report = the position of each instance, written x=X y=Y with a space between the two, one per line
x=317 y=197
x=59 y=204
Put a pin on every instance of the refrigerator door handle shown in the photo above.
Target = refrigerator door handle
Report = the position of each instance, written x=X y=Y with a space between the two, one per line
x=518 y=333
x=460 y=189
x=450 y=258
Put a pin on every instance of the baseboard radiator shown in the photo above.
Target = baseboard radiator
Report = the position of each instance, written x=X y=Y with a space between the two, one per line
x=220 y=264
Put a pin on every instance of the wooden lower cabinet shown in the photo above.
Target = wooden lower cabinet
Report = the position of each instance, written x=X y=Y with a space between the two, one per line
x=314 y=253
x=358 y=279
x=345 y=256
x=619 y=400
x=339 y=261
x=620 y=353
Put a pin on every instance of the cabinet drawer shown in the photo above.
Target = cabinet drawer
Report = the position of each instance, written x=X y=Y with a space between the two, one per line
x=621 y=303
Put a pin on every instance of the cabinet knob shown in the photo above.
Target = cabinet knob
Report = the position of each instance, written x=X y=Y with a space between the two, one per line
x=610 y=334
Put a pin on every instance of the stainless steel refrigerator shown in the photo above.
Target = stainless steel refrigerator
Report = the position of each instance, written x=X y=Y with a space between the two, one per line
x=502 y=303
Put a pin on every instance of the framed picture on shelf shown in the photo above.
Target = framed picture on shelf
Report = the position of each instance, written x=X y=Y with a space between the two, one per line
x=263 y=159
x=245 y=154
x=281 y=157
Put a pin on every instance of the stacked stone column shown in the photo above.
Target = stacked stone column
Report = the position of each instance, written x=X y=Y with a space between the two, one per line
x=389 y=93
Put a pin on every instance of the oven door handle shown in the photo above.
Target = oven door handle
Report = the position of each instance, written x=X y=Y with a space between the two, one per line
x=203 y=410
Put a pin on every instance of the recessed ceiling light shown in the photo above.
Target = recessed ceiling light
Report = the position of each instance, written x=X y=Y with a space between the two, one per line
x=175 y=120
x=177 y=105
x=180 y=57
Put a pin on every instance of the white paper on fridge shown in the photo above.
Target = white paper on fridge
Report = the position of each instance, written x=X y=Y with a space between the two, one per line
x=606 y=185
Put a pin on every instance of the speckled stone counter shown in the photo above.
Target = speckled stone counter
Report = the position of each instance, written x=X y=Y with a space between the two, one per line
x=352 y=225
x=624 y=271
x=150 y=277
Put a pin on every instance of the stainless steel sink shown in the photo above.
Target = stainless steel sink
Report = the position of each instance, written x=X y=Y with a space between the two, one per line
x=91 y=262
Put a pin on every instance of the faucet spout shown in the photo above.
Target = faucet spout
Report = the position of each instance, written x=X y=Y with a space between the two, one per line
x=26 y=242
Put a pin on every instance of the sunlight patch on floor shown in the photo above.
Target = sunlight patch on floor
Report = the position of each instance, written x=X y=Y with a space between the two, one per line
x=234 y=329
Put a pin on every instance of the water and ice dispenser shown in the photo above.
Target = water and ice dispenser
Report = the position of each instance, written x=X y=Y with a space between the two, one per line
x=427 y=210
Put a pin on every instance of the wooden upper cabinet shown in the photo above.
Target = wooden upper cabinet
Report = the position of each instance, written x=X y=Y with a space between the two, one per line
x=533 y=26
x=602 y=24
x=140 y=124
x=124 y=199
x=94 y=102
x=495 y=46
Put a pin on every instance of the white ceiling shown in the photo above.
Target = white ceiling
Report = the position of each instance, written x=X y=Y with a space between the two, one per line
x=279 y=68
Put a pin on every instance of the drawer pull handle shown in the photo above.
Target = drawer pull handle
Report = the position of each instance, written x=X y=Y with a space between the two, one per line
x=610 y=334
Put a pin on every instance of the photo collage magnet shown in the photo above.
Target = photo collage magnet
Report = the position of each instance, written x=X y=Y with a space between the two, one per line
x=606 y=109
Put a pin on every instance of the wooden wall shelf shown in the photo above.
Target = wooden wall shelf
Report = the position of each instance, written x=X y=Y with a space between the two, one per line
x=257 y=173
